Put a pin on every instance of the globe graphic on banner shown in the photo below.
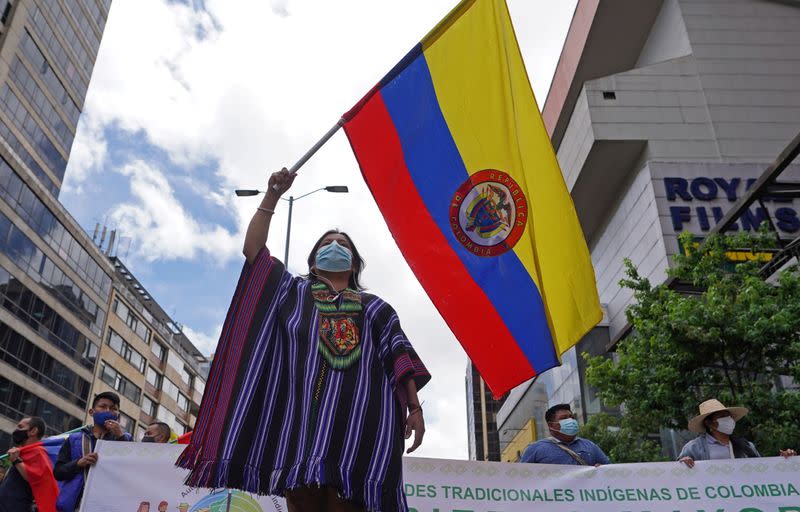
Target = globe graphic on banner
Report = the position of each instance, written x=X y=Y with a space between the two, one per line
x=218 y=501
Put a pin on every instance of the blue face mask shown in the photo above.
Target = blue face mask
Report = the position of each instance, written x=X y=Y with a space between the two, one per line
x=100 y=418
x=568 y=427
x=334 y=258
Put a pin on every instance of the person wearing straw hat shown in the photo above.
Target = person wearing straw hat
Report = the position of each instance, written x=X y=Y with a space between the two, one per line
x=715 y=424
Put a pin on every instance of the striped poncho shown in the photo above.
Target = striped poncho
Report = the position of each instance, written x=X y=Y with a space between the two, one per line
x=277 y=415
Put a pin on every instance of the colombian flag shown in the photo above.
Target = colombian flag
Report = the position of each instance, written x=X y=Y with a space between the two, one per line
x=454 y=150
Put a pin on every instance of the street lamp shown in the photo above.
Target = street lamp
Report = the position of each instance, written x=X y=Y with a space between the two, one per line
x=331 y=188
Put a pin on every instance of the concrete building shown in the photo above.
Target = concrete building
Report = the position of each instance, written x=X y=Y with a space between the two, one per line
x=482 y=439
x=663 y=113
x=54 y=282
x=145 y=357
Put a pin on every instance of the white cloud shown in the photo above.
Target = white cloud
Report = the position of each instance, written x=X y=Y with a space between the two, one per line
x=280 y=7
x=249 y=86
x=87 y=156
x=206 y=343
x=160 y=225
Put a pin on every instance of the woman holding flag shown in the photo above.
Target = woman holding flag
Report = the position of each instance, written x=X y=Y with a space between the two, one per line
x=314 y=384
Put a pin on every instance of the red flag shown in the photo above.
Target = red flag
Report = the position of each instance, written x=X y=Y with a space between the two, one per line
x=185 y=438
x=39 y=470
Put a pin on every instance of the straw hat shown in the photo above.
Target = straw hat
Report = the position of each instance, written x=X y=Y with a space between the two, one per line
x=710 y=407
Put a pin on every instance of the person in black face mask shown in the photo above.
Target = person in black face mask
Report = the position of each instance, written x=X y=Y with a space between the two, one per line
x=157 y=432
x=30 y=471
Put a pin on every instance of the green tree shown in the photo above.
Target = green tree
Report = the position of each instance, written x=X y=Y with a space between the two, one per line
x=620 y=439
x=734 y=337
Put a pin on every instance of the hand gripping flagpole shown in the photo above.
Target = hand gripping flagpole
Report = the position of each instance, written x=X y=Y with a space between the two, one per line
x=321 y=142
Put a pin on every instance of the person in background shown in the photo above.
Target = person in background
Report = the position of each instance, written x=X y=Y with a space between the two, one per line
x=716 y=441
x=157 y=432
x=564 y=447
x=30 y=478
x=77 y=453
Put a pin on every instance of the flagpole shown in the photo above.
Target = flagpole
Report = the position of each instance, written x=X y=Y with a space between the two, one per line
x=40 y=443
x=321 y=142
x=303 y=159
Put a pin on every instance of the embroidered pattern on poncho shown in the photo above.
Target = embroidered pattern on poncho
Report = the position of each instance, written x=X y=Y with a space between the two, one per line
x=339 y=325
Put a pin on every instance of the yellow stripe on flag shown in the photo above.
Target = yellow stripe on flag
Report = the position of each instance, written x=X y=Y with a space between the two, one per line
x=488 y=104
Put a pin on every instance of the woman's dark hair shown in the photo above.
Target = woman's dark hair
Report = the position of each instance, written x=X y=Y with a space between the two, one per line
x=358 y=261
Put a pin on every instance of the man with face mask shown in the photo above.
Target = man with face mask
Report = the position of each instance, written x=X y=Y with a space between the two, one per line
x=715 y=424
x=77 y=453
x=564 y=447
x=30 y=478
x=157 y=432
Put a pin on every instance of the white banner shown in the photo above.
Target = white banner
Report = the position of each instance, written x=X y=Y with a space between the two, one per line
x=140 y=477
x=744 y=485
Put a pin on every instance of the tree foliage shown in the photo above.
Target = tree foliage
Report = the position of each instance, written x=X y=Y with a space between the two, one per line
x=620 y=440
x=736 y=339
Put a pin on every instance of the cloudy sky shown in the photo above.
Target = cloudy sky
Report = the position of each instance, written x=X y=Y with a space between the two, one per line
x=191 y=100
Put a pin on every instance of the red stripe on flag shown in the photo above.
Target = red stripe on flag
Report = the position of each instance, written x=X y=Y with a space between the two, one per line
x=40 y=476
x=455 y=294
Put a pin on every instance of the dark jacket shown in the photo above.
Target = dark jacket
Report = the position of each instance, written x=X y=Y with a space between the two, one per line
x=66 y=470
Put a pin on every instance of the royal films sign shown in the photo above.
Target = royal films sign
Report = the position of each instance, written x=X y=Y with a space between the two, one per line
x=141 y=477
x=695 y=196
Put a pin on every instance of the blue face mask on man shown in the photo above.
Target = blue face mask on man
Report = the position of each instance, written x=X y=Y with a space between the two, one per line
x=568 y=427
x=100 y=418
x=334 y=258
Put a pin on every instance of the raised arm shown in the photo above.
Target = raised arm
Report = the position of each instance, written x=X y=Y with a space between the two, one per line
x=258 y=229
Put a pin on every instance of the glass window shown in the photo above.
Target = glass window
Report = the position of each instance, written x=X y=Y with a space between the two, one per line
x=153 y=377
x=18 y=352
x=57 y=14
x=149 y=407
x=31 y=259
x=167 y=417
x=186 y=375
x=171 y=389
x=127 y=423
x=117 y=381
x=29 y=308
x=17 y=402
x=175 y=360
x=20 y=117
x=123 y=348
x=41 y=105
x=183 y=402
x=199 y=385
x=131 y=320
x=159 y=351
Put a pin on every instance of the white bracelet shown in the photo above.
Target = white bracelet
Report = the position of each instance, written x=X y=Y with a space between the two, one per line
x=265 y=210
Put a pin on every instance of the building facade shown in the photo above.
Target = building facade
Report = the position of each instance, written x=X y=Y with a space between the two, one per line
x=663 y=113
x=146 y=359
x=483 y=441
x=73 y=321
x=54 y=283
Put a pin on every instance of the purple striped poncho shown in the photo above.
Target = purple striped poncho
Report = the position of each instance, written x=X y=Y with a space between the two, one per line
x=254 y=431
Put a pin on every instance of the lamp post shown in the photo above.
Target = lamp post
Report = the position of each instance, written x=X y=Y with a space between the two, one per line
x=331 y=188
